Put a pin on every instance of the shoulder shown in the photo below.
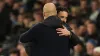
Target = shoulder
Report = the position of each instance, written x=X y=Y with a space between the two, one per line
x=37 y=26
x=67 y=26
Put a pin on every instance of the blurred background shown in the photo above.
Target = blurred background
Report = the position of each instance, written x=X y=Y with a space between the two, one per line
x=17 y=16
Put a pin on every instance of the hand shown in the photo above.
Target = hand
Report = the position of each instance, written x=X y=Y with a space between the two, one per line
x=63 y=32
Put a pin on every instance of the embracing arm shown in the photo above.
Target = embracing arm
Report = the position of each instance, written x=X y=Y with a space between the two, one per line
x=74 y=40
x=66 y=31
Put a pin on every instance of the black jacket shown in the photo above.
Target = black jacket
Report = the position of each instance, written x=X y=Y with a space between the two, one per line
x=74 y=40
x=46 y=41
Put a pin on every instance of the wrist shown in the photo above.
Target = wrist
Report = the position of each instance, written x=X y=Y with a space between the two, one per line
x=69 y=33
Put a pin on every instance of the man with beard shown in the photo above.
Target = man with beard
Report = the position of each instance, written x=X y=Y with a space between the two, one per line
x=62 y=13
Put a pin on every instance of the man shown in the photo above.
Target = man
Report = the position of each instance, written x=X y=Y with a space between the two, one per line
x=74 y=40
x=63 y=15
x=47 y=41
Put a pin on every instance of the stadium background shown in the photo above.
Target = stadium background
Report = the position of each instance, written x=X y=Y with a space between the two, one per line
x=17 y=16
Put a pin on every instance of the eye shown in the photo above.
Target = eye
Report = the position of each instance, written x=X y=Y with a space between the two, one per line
x=61 y=16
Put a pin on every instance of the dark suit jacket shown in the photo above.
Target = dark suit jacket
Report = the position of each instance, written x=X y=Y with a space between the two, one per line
x=47 y=41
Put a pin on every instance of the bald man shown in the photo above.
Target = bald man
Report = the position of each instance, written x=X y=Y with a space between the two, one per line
x=44 y=35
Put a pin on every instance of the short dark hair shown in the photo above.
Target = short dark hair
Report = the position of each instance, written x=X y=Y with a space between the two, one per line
x=61 y=9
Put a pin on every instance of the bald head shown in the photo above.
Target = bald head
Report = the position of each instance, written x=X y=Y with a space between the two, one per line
x=49 y=9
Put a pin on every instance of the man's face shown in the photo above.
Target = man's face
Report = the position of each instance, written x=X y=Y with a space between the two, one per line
x=37 y=17
x=20 y=18
x=63 y=15
x=89 y=48
x=83 y=4
x=91 y=29
x=94 y=6
x=81 y=30
x=62 y=2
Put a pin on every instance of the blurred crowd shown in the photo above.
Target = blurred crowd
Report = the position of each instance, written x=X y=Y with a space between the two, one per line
x=17 y=16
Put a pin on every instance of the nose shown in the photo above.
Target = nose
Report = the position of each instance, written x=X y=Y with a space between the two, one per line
x=64 y=20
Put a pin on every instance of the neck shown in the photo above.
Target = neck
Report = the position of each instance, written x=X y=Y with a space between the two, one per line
x=46 y=17
x=53 y=22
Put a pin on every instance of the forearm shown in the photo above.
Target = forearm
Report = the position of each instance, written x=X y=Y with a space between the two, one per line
x=74 y=39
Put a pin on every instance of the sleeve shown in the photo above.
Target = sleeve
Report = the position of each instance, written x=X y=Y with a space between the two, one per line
x=74 y=40
x=29 y=36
